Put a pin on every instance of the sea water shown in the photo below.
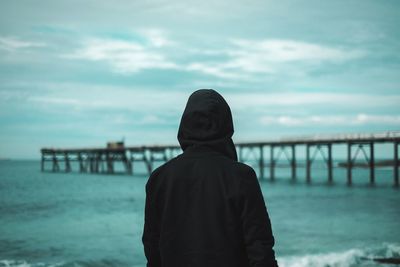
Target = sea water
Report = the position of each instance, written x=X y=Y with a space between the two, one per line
x=72 y=219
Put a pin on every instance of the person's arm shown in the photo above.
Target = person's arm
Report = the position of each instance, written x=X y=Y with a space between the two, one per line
x=151 y=232
x=256 y=225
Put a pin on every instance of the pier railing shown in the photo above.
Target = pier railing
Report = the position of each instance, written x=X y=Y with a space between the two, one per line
x=102 y=160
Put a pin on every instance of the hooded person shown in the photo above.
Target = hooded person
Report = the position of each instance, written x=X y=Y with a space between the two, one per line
x=204 y=208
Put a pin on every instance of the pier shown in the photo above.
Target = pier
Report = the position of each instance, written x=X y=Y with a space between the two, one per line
x=358 y=147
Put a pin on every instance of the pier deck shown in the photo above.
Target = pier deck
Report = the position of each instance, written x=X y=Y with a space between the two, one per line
x=101 y=160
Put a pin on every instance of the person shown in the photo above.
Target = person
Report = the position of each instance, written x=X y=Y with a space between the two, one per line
x=204 y=208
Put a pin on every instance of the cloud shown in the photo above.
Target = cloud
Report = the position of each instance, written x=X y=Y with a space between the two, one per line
x=11 y=44
x=215 y=70
x=104 y=98
x=241 y=59
x=157 y=37
x=124 y=56
x=276 y=50
x=353 y=120
x=270 y=56
x=295 y=99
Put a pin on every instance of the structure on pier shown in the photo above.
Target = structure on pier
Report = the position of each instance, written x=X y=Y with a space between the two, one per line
x=102 y=160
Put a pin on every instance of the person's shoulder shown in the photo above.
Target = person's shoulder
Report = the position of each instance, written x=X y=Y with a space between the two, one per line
x=240 y=168
x=167 y=165
x=245 y=170
x=241 y=165
x=162 y=169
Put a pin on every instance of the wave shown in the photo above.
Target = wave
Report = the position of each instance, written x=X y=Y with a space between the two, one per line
x=340 y=259
x=349 y=258
x=81 y=263
x=22 y=263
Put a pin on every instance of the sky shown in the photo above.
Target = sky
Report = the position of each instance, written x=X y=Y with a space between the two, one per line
x=81 y=73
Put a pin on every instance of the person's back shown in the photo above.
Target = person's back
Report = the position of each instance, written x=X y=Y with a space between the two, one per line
x=203 y=208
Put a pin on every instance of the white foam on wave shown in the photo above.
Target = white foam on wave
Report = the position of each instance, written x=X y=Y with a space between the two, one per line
x=392 y=251
x=339 y=259
x=14 y=263
x=351 y=257
x=22 y=263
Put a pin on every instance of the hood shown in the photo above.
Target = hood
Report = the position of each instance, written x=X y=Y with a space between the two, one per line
x=207 y=120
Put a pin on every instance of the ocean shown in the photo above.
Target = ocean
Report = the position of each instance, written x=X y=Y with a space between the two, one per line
x=72 y=219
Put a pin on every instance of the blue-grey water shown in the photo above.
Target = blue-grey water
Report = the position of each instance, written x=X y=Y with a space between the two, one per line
x=57 y=219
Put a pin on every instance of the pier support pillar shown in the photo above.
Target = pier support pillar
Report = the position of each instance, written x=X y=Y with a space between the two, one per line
x=56 y=167
x=110 y=165
x=67 y=163
x=91 y=160
x=372 y=164
x=127 y=164
x=349 y=164
x=396 y=164
x=99 y=163
x=149 y=165
x=308 y=164
x=272 y=164
x=81 y=167
x=148 y=160
x=329 y=163
x=129 y=167
x=99 y=166
x=293 y=162
x=261 y=162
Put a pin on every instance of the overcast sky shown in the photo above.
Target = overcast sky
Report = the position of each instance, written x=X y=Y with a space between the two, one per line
x=81 y=73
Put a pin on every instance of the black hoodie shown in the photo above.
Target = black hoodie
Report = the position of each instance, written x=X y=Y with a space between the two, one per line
x=203 y=208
